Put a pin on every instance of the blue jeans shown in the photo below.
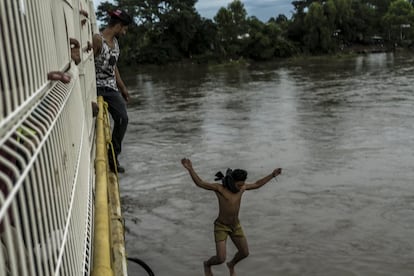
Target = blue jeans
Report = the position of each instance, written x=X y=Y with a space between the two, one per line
x=118 y=110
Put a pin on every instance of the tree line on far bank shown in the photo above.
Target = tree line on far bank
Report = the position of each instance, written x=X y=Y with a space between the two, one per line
x=167 y=31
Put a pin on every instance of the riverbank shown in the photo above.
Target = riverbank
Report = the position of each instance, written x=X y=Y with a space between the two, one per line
x=346 y=52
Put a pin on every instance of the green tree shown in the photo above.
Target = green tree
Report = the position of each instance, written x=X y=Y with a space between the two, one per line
x=165 y=29
x=379 y=8
x=171 y=30
x=362 y=23
x=349 y=21
x=180 y=26
x=319 y=36
x=266 y=42
x=259 y=46
x=232 y=27
x=102 y=11
x=330 y=12
x=344 y=18
x=205 y=42
x=398 y=20
x=296 y=29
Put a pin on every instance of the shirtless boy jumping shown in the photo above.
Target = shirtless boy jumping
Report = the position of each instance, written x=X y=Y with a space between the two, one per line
x=227 y=224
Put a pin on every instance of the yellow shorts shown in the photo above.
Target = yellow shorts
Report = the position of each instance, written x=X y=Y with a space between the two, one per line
x=221 y=231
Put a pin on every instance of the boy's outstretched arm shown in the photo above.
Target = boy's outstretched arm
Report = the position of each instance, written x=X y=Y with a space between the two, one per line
x=259 y=183
x=197 y=180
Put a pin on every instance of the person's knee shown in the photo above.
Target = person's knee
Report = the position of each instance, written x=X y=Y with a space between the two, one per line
x=221 y=259
x=121 y=119
x=244 y=253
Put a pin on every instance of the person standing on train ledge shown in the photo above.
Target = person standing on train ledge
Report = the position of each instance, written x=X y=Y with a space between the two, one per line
x=108 y=80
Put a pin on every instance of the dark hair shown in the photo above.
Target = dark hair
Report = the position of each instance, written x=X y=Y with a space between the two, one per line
x=239 y=175
x=230 y=178
x=119 y=16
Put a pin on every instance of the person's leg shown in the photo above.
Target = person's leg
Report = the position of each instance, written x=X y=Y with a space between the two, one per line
x=219 y=258
x=243 y=252
x=118 y=111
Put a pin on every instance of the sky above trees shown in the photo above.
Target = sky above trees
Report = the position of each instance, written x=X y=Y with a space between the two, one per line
x=262 y=9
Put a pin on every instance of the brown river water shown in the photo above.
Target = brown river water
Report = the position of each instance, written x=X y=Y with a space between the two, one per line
x=342 y=129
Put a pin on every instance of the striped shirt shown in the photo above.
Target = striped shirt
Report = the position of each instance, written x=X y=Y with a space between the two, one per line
x=105 y=64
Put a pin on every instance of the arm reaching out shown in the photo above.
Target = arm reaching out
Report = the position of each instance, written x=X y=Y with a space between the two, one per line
x=259 y=183
x=197 y=180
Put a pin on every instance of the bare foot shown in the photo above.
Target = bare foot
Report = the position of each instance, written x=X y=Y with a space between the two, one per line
x=231 y=269
x=207 y=270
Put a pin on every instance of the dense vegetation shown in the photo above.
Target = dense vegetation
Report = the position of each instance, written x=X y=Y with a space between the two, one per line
x=172 y=30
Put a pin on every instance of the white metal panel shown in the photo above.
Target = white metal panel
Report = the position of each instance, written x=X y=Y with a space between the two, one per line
x=45 y=140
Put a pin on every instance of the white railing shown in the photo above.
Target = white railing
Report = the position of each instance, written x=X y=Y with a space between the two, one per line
x=46 y=138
